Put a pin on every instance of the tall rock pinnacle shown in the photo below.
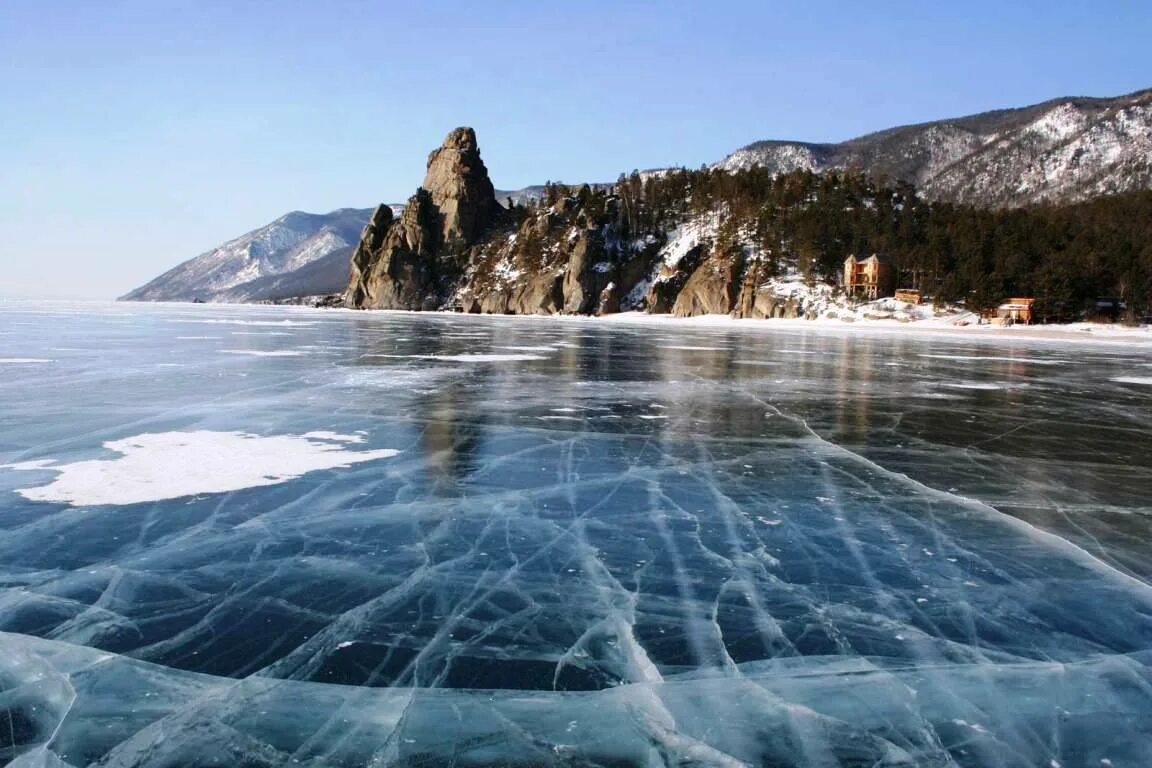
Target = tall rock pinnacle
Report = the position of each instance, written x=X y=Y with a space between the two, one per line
x=460 y=188
x=410 y=262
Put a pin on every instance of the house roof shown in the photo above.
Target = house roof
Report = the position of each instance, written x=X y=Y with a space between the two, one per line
x=878 y=258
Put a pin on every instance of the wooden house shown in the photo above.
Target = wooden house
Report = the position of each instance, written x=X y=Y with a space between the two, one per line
x=869 y=278
x=1014 y=311
x=908 y=295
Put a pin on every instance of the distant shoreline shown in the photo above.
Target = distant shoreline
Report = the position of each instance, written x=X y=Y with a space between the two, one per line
x=1073 y=332
x=1093 y=332
x=1107 y=333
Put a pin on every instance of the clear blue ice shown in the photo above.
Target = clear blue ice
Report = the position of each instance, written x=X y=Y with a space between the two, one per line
x=600 y=544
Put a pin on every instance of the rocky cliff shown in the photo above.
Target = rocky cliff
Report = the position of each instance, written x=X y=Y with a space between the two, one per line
x=587 y=251
x=413 y=262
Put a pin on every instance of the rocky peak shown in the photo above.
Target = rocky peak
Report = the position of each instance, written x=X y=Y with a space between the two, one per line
x=460 y=188
x=462 y=138
x=412 y=261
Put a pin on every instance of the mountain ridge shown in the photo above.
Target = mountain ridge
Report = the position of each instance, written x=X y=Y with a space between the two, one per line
x=289 y=242
x=1062 y=150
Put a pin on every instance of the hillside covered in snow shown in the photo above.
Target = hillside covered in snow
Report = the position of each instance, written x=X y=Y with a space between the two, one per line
x=244 y=269
x=1060 y=151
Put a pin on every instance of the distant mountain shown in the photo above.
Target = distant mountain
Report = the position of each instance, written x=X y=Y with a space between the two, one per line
x=281 y=256
x=1060 y=151
x=298 y=254
x=520 y=196
x=328 y=274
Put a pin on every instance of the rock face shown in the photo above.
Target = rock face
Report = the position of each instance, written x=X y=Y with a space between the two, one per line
x=413 y=262
x=460 y=188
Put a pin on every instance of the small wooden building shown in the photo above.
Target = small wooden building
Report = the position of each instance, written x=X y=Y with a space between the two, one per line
x=869 y=278
x=1015 y=311
x=909 y=295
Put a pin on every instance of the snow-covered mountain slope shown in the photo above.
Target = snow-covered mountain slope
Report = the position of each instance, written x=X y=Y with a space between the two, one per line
x=326 y=275
x=1062 y=151
x=240 y=267
x=298 y=254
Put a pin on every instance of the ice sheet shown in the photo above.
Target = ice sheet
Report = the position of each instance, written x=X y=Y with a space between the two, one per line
x=617 y=554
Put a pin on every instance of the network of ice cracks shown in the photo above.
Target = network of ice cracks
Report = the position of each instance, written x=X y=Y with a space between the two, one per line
x=627 y=545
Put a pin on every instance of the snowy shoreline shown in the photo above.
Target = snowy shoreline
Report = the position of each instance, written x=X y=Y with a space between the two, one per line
x=1073 y=332
x=1092 y=333
x=1089 y=332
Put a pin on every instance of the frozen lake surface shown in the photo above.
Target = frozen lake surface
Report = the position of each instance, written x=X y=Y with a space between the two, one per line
x=266 y=536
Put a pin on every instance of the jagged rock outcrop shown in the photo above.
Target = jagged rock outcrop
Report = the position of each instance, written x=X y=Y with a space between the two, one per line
x=713 y=288
x=671 y=279
x=412 y=262
x=392 y=267
x=458 y=183
x=757 y=301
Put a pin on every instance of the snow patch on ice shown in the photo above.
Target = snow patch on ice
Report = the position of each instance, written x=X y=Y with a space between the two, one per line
x=1133 y=380
x=28 y=466
x=333 y=436
x=981 y=385
x=24 y=360
x=170 y=465
x=264 y=353
x=273 y=323
x=468 y=358
x=989 y=358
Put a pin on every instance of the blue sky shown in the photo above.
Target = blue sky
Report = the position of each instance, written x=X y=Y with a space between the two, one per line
x=137 y=133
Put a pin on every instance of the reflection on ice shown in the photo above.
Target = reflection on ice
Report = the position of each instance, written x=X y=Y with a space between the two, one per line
x=607 y=554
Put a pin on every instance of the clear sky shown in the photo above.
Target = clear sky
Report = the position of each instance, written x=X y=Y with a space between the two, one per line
x=135 y=134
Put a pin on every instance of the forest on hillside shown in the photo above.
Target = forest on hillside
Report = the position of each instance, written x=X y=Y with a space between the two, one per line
x=1066 y=257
